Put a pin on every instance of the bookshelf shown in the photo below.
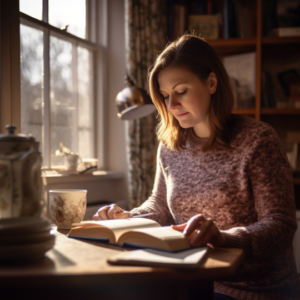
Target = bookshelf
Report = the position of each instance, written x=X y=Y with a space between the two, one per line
x=270 y=51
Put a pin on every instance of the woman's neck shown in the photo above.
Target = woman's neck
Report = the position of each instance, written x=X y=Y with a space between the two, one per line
x=202 y=130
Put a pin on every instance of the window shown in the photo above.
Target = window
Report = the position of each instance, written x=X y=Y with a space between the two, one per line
x=62 y=84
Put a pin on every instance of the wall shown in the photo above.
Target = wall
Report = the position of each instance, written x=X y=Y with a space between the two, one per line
x=116 y=149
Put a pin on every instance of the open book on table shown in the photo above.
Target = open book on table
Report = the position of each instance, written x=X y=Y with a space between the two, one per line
x=131 y=232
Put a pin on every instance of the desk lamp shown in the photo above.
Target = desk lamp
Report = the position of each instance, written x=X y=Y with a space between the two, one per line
x=133 y=102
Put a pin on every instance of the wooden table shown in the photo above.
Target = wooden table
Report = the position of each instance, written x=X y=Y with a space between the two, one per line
x=75 y=269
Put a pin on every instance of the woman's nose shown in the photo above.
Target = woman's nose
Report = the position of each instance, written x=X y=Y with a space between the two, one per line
x=173 y=103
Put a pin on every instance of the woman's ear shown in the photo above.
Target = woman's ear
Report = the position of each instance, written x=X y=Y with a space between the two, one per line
x=212 y=82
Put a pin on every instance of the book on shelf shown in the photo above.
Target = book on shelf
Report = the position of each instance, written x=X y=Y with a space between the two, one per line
x=226 y=19
x=269 y=20
x=295 y=91
x=235 y=19
x=170 y=19
x=281 y=18
x=131 y=232
x=239 y=19
x=180 y=20
x=206 y=25
x=288 y=12
x=270 y=95
x=280 y=90
x=190 y=258
x=288 y=78
x=285 y=32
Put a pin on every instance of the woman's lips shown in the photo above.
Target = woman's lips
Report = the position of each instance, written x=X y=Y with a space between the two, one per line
x=183 y=114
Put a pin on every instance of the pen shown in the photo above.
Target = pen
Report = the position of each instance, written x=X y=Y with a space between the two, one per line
x=144 y=215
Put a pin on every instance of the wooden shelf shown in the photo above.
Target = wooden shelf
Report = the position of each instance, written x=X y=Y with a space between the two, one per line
x=232 y=42
x=244 y=111
x=297 y=181
x=281 y=40
x=280 y=111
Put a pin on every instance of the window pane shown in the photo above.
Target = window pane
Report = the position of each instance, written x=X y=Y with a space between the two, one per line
x=61 y=98
x=85 y=103
x=31 y=41
x=33 y=8
x=68 y=12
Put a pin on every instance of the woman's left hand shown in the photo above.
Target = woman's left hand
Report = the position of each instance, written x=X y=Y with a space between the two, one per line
x=200 y=231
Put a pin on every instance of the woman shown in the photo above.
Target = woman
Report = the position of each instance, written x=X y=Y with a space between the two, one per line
x=223 y=179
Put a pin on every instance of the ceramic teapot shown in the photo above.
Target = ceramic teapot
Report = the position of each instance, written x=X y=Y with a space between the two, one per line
x=21 y=186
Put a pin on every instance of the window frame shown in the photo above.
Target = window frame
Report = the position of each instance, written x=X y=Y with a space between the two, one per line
x=96 y=33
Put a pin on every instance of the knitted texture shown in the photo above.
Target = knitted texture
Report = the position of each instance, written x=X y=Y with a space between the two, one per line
x=248 y=192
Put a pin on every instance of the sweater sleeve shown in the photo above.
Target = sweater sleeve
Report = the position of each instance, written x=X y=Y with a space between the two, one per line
x=157 y=202
x=271 y=180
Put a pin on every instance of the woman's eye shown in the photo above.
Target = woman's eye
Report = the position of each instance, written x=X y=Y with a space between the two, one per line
x=166 y=98
x=182 y=93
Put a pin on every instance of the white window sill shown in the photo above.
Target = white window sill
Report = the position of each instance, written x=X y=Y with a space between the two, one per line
x=57 y=177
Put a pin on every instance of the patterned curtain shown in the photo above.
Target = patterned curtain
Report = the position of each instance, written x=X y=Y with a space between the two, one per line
x=145 y=38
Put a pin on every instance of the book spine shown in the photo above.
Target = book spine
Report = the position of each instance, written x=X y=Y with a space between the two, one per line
x=264 y=96
x=251 y=21
x=284 y=32
x=202 y=7
x=180 y=20
x=219 y=13
x=232 y=19
x=176 y=22
x=245 y=24
x=209 y=7
x=226 y=20
x=170 y=6
x=238 y=19
x=270 y=89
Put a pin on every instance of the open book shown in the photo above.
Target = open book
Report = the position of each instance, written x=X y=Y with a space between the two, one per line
x=190 y=258
x=138 y=232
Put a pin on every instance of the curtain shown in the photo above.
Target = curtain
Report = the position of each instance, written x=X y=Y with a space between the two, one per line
x=145 y=38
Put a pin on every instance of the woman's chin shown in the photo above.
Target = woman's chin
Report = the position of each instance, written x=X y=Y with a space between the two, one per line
x=185 y=125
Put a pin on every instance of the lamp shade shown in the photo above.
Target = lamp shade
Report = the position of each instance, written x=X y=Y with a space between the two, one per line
x=133 y=102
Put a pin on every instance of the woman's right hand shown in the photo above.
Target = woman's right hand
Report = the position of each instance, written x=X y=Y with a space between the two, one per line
x=112 y=211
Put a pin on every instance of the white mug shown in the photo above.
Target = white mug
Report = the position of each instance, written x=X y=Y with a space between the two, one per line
x=72 y=161
x=67 y=206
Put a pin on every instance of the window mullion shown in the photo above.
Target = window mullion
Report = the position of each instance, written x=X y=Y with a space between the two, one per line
x=101 y=81
x=45 y=11
x=46 y=90
x=75 y=132
x=46 y=95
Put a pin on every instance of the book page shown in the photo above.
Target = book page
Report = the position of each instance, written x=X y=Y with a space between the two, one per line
x=120 y=226
x=163 y=238
x=163 y=233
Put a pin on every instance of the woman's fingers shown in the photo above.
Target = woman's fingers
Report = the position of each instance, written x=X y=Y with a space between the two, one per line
x=200 y=230
x=180 y=227
x=203 y=235
x=101 y=214
x=109 y=212
x=123 y=215
x=208 y=234
x=193 y=224
x=114 y=209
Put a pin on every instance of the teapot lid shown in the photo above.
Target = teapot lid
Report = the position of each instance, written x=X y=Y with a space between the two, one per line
x=12 y=137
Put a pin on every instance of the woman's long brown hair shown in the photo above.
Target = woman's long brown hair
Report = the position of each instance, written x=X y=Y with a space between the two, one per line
x=195 y=54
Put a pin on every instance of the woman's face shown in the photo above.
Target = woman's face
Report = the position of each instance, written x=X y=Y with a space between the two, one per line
x=187 y=97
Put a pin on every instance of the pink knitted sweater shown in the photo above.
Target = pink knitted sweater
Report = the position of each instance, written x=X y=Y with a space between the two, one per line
x=248 y=192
